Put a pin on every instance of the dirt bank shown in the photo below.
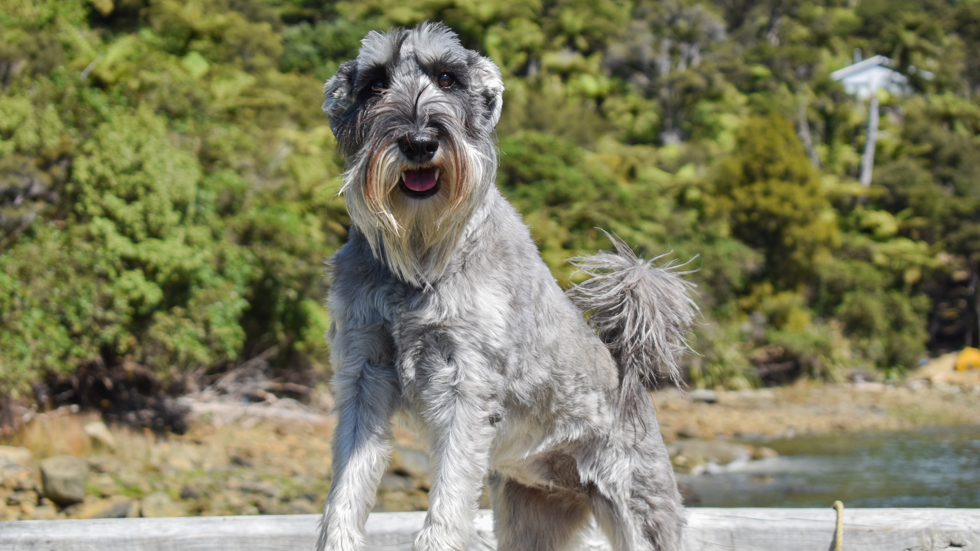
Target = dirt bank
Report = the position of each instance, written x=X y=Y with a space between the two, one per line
x=813 y=408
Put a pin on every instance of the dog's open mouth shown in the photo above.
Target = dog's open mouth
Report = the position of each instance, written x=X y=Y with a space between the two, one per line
x=420 y=183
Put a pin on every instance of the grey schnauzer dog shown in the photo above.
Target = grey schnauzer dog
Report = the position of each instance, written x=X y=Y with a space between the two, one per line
x=444 y=311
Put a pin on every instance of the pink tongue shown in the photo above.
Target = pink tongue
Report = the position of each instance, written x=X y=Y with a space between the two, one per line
x=420 y=180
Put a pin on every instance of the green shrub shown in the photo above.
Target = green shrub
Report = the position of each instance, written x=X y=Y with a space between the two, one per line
x=886 y=327
x=168 y=183
x=821 y=350
x=721 y=361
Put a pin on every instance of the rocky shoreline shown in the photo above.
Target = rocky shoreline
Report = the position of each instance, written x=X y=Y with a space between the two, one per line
x=258 y=460
x=237 y=469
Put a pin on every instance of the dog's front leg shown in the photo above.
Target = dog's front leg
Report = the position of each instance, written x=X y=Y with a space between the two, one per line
x=367 y=393
x=459 y=404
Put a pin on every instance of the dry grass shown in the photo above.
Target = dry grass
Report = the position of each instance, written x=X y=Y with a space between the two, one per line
x=59 y=433
x=56 y=434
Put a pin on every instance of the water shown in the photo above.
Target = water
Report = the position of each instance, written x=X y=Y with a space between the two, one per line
x=934 y=467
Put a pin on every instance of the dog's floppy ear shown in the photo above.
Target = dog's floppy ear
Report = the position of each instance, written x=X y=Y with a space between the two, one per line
x=486 y=79
x=338 y=92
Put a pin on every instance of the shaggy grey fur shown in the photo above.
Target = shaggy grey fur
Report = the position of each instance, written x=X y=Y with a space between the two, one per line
x=642 y=313
x=444 y=312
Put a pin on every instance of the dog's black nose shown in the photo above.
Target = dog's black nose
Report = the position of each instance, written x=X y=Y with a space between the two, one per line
x=419 y=148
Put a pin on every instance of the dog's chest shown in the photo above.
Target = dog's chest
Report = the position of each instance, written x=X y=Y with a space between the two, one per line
x=451 y=334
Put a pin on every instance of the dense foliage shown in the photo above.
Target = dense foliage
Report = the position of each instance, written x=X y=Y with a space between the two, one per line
x=168 y=185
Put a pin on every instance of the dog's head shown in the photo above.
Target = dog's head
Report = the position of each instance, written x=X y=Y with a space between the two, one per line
x=414 y=115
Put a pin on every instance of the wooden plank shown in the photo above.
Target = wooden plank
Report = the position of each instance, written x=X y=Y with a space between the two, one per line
x=712 y=529
x=709 y=529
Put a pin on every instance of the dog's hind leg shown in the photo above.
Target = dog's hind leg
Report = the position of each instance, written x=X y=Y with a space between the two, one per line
x=536 y=519
x=656 y=508
x=614 y=518
x=634 y=524
x=654 y=500
x=647 y=515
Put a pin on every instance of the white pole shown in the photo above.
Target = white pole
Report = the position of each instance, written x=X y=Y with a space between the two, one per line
x=868 y=159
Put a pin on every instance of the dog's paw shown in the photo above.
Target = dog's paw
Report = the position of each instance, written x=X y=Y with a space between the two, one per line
x=340 y=540
x=434 y=538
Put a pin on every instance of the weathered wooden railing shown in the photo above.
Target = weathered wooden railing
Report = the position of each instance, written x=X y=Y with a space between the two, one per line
x=708 y=529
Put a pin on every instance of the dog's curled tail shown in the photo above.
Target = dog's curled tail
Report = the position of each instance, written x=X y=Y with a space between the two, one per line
x=642 y=312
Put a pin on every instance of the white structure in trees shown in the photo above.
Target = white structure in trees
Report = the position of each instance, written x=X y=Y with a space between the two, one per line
x=864 y=78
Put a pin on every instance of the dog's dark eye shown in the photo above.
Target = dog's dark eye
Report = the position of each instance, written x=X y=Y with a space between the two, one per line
x=446 y=80
x=378 y=85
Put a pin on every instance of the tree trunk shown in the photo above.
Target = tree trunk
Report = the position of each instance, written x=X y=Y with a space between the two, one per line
x=868 y=159
x=803 y=129
x=974 y=290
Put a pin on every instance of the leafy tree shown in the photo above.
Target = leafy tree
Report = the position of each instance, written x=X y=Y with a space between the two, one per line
x=168 y=184
x=770 y=193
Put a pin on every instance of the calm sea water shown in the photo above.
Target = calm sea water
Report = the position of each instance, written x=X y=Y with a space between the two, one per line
x=934 y=467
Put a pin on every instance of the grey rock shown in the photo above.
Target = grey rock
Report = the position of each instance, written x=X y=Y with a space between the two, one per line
x=396 y=483
x=264 y=488
x=269 y=506
x=15 y=457
x=16 y=498
x=17 y=468
x=411 y=462
x=45 y=512
x=112 y=507
x=688 y=431
x=104 y=464
x=102 y=484
x=704 y=395
x=97 y=431
x=301 y=506
x=187 y=492
x=27 y=509
x=755 y=394
x=63 y=478
x=159 y=504
x=762 y=452
x=693 y=455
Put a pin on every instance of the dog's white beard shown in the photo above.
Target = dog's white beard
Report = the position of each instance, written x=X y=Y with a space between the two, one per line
x=416 y=238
